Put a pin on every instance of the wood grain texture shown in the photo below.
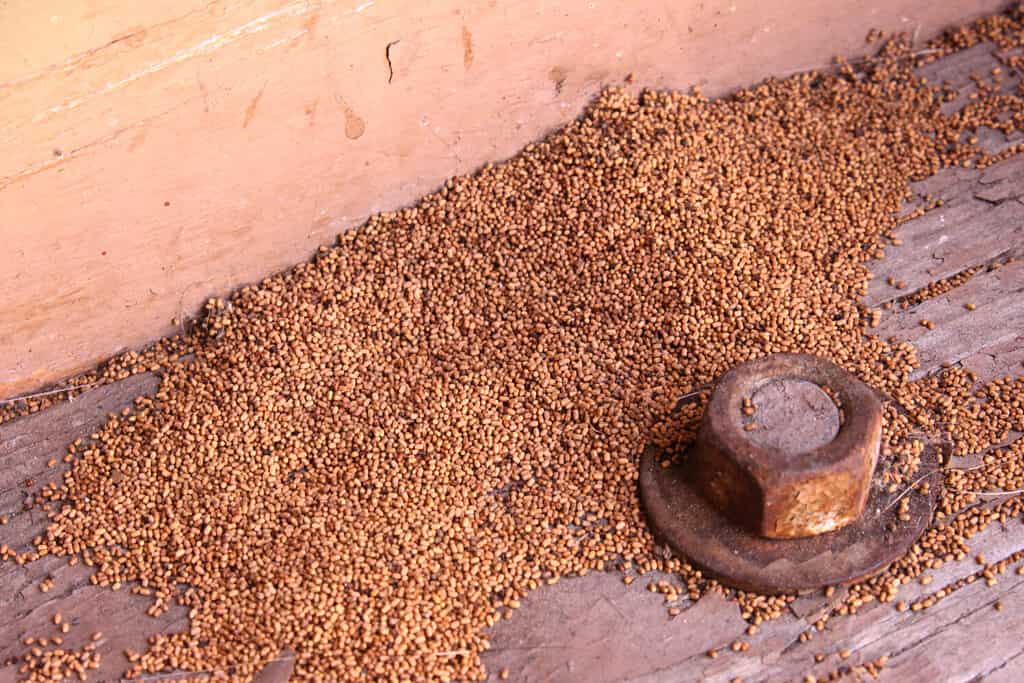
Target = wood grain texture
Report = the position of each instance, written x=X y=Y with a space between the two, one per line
x=596 y=629
x=997 y=320
x=159 y=153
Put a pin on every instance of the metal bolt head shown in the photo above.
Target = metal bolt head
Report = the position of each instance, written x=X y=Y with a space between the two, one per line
x=778 y=494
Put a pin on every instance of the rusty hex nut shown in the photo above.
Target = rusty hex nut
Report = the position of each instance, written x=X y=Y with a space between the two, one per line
x=778 y=494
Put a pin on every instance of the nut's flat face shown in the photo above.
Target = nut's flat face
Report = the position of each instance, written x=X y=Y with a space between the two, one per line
x=793 y=416
x=697 y=530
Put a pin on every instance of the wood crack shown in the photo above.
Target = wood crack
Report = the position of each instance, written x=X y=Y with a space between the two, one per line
x=987 y=606
x=387 y=56
x=1000 y=667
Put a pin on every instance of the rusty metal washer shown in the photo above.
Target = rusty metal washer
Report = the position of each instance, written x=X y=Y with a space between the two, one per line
x=727 y=533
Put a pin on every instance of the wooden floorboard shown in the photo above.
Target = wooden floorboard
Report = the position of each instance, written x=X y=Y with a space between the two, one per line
x=26 y=446
x=979 y=224
x=997 y=321
x=596 y=628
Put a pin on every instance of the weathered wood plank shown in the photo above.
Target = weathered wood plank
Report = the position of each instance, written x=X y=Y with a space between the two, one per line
x=119 y=615
x=596 y=628
x=970 y=229
x=997 y=322
x=26 y=445
x=997 y=360
x=982 y=218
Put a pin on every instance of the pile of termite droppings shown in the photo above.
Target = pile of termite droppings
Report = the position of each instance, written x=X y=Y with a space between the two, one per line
x=372 y=457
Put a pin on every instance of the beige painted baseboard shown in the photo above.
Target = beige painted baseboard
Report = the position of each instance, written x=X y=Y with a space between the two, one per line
x=159 y=153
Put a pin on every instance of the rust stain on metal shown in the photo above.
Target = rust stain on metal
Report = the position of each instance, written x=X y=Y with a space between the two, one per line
x=778 y=494
x=769 y=520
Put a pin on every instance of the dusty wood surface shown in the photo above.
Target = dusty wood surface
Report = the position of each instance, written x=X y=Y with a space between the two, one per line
x=158 y=153
x=26 y=446
x=595 y=628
